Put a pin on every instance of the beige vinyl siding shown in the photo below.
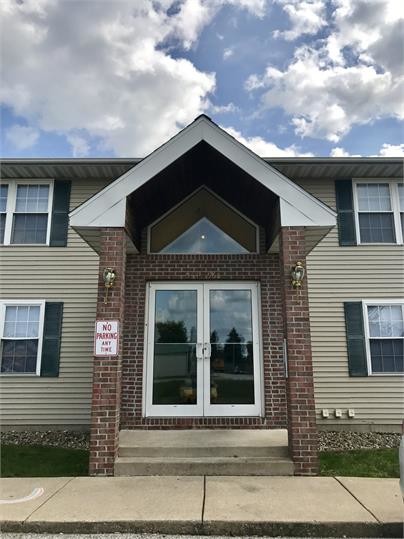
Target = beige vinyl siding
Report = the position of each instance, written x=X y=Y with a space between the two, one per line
x=337 y=274
x=67 y=274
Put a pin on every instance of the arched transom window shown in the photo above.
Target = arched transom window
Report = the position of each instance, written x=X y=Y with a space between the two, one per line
x=203 y=224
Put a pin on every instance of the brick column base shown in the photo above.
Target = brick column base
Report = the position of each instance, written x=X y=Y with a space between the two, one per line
x=302 y=428
x=106 y=399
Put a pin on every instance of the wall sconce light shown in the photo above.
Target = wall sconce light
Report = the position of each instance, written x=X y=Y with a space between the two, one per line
x=297 y=275
x=109 y=277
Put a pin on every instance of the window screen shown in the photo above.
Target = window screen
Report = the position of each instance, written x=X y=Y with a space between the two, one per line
x=19 y=344
x=30 y=221
x=3 y=210
x=386 y=336
x=376 y=217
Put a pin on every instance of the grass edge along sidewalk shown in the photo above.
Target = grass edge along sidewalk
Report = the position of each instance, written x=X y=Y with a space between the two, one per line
x=44 y=461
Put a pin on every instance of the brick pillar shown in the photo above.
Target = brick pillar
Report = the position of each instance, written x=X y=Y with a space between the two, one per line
x=302 y=429
x=106 y=398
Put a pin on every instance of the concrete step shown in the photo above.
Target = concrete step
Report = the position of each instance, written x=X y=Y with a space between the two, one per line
x=204 y=443
x=133 y=466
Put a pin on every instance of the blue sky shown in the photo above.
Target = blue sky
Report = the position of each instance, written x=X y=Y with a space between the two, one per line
x=101 y=78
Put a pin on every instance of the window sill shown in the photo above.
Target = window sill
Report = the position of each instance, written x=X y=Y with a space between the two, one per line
x=378 y=244
x=386 y=374
x=24 y=244
x=19 y=374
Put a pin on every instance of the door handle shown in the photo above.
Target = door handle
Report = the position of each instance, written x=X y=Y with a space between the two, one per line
x=207 y=350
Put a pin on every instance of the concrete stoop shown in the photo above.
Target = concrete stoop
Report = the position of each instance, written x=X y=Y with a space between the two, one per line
x=203 y=452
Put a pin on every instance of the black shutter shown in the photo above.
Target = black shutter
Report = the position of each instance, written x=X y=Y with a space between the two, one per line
x=346 y=214
x=357 y=362
x=60 y=213
x=51 y=339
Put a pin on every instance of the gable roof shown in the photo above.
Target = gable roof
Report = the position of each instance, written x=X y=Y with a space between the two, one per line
x=297 y=207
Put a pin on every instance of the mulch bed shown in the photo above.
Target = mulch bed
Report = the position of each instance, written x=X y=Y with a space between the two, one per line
x=61 y=438
x=346 y=440
x=329 y=441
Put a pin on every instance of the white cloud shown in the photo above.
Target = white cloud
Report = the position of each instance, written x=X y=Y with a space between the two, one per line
x=264 y=148
x=192 y=18
x=105 y=68
x=255 y=7
x=22 y=137
x=227 y=53
x=387 y=150
x=80 y=146
x=340 y=152
x=194 y=15
x=306 y=17
x=353 y=76
x=223 y=109
x=391 y=150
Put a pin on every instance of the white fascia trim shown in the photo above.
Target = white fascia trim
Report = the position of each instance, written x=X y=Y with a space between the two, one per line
x=126 y=184
x=313 y=211
x=114 y=217
x=293 y=216
x=276 y=182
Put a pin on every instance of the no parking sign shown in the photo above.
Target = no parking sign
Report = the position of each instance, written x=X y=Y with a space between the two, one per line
x=106 y=338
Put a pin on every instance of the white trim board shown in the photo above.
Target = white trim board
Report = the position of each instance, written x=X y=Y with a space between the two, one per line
x=298 y=208
x=4 y=303
x=377 y=303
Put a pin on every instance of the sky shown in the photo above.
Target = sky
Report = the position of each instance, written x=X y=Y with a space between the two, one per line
x=117 y=78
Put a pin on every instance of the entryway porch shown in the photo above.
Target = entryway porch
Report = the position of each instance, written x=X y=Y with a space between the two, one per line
x=205 y=210
x=203 y=452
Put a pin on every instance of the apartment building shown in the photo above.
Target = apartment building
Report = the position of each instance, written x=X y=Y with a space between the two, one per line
x=230 y=292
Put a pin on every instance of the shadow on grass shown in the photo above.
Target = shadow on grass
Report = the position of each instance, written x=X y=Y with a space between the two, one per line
x=39 y=461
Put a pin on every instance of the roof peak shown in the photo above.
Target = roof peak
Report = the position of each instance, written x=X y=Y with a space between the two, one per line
x=205 y=116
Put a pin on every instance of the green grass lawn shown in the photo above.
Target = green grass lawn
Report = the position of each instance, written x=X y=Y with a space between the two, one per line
x=360 y=463
x=39 y=461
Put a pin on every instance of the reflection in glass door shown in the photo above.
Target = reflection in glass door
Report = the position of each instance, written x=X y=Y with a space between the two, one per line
x=174 y=366
x=203 y=350
x=232 y=368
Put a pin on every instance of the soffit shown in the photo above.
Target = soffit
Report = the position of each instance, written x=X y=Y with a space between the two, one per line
x=69 y=169
x=295 y=168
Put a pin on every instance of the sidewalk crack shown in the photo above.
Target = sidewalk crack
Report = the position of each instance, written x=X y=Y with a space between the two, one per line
x=204 y=499
x=358 y=500
x=50 y=497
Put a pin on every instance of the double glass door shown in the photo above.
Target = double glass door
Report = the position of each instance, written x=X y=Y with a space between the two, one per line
x=203 y=356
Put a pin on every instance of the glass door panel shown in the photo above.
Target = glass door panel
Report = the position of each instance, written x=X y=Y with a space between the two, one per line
x=232 y=366
x=175 y=381
x=203 y=350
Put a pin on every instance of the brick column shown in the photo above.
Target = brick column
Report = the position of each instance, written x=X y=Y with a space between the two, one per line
x=302 y=429
x=106 y=399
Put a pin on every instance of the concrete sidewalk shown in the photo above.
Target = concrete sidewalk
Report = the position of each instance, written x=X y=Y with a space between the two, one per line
x=294 y=506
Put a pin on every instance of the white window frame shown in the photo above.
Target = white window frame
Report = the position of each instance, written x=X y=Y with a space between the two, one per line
x=395 y=208
x=11 y=204
x=24 y=303
x=5 y=211
x=379 y=303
